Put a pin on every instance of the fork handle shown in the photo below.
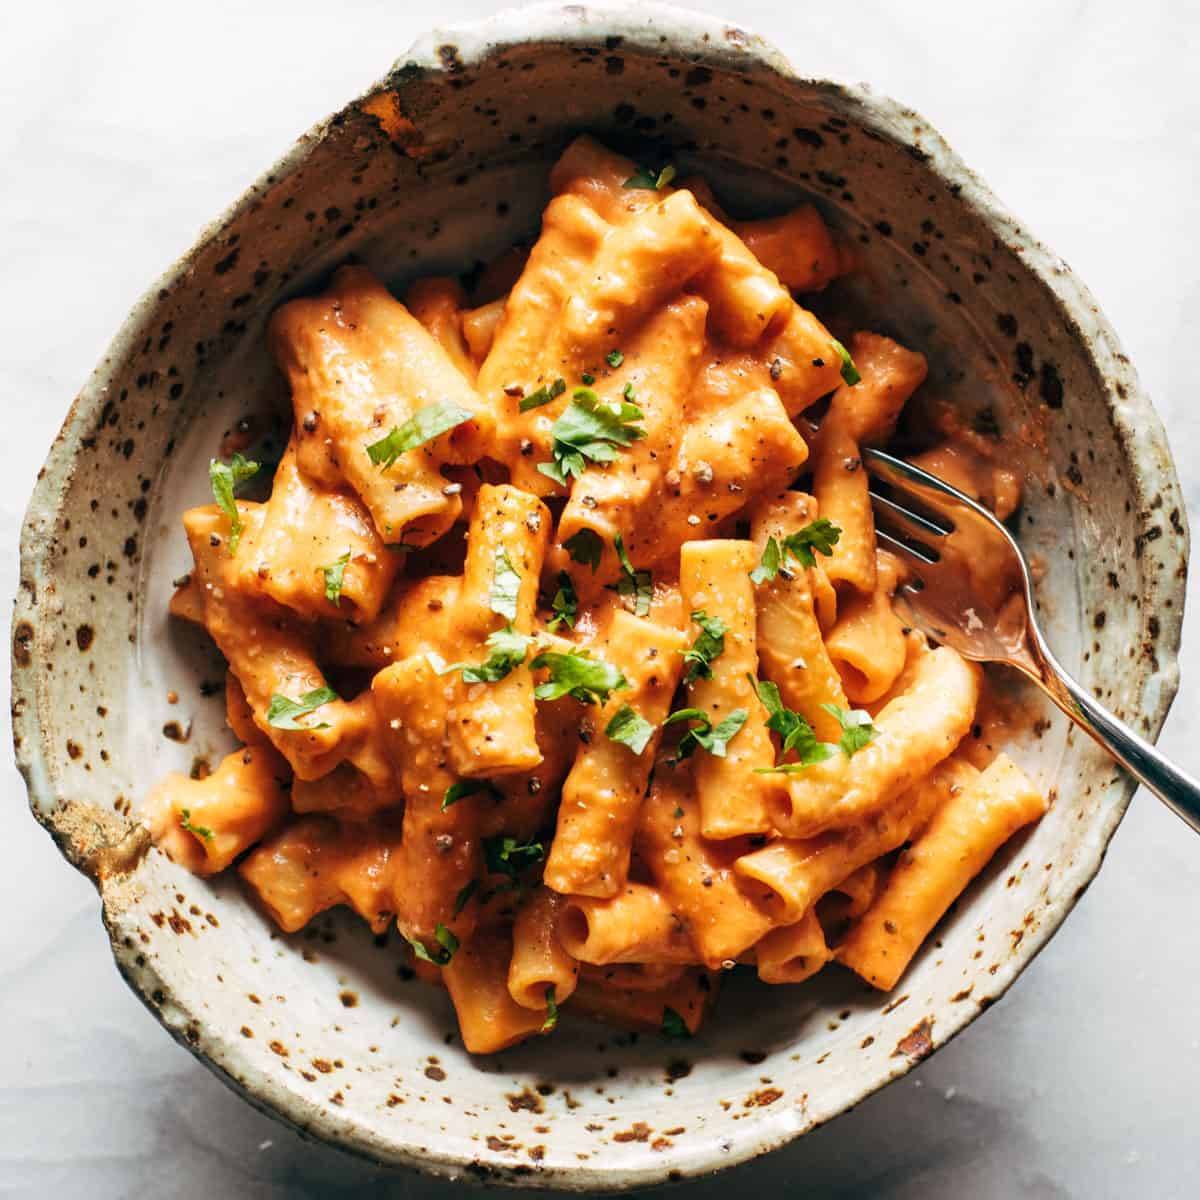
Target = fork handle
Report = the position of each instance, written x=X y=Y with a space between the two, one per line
x=1174 y=787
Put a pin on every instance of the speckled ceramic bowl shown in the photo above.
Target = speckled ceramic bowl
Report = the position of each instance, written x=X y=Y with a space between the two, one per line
x=322 y=1029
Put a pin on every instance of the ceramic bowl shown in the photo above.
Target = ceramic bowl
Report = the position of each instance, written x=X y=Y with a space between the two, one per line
x=440 y=164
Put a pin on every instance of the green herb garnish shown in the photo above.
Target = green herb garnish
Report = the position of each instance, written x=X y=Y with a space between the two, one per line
x=551 y=1011
x=630 y=728
x=335 y=574
x=468 y=787
x=464 y=895
x=202 y=832
x=706 y=736
x=565 y=604
x=506 y=587
x=650 y=180
x=447 y=945
x=423 y=426
x=577 y=674
x=634 y=587
x=508 y=856
x=708 y=646
x=590 y=430
x=850 y=375
x=614 y=358
x=857 y=730
x=225 y=478
x=586 y=548
x=673 y=1025
x=794 y=731
x=779 y=554
x=282 y=713
x=543 y=395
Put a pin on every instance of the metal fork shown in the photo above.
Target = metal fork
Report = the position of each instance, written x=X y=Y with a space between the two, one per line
x=917 y=516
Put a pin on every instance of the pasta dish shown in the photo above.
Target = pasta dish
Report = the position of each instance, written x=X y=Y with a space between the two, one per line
x=561 y=640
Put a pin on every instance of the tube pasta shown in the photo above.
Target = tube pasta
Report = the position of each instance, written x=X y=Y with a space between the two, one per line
x=540 y=964
x=792 y=653
x=916 y=731
x=961 y=838
x=635 y=926
x=603 y=791
x=359 y=366
x=799 y=872
x=451 y=507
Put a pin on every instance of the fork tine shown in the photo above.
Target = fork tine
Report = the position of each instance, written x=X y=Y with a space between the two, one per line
x=916 y=553
x=912 y=523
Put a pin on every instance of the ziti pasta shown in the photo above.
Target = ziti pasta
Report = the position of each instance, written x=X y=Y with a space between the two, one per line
x=559 y=638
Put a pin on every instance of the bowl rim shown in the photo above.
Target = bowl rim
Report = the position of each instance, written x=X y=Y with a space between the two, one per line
x=1138 y=431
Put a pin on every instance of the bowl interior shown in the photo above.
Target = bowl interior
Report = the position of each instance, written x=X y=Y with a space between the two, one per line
x=442 y=165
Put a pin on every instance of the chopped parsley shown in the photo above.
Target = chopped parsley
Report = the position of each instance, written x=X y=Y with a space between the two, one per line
x=423 y=426
x=508 y=650
x=614 y=358
x=185 y=823
x=794 y=731
x=447 y=944
x=630 y=728
x=508 y=856
x=543 y=395
x=506 y=587
x=464 y=895
x=706 y=736
x=335 y=574
x=577 y=674
x=565 y=604
x=468 y=787
x=282 y=713
x=551 y=1011
x=225 y=478
x=850 y=375
x=857 y=730
x=779 y=554
x=651 y=181
x=673 y=1025
x=590 y=430
x=708 y=646
x=586 y=548
x=634 y=587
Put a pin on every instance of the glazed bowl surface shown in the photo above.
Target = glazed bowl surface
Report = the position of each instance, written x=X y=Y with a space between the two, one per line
x=436 y=167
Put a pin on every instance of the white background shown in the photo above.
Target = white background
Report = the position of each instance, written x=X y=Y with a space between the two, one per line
x=125 y=126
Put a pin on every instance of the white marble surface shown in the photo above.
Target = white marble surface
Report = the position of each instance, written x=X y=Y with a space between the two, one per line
x=125 y=125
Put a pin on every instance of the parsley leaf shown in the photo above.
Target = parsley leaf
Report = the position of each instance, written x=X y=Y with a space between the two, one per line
x=551 y=1011
x=708 y=646
x=590 y=430
x=857 y=730
x=507 y=856
x=543 y=395
x=633 y=585
x=565 y=604
x=423 y=426
x=506 y=587
x=282 y=713
x=468 y=787
x=673 y=1025
x=225 y=479
x=796 y=549
x=577 y=674
x=464 y=895
x=850 y=375
x=704 y=735
x=650 y=180
x=185 y=823
x=586 y=547
x=335 y=573
x=794 y=731
x=508 y=652
x=614 y=358
x=443 y=953
x=630 y=728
